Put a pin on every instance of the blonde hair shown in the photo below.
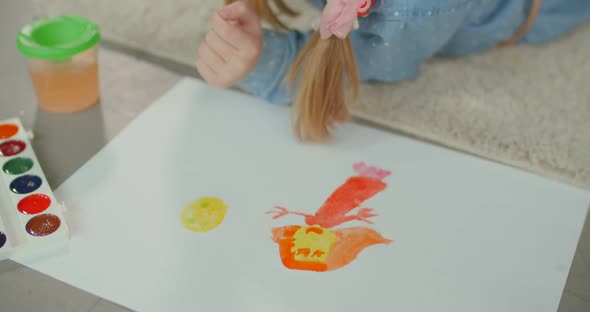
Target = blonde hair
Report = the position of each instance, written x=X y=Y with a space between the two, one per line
x=326 y=66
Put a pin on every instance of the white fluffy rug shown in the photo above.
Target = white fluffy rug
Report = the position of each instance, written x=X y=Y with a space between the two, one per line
x=524 y=106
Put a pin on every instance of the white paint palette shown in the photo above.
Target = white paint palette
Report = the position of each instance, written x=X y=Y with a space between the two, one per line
x=31 y=220
x=455 y=233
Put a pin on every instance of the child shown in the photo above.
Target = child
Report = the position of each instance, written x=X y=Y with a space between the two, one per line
x=363 y=40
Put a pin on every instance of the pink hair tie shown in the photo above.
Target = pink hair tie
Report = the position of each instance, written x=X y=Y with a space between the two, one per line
x=339 y=17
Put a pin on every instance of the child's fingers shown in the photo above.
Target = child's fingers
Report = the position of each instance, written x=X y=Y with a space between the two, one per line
x=220 y=46
x=209 y=56
x=225 y=30
x=211 y=75
x=241 y=12
x=228 y=12
x=234 y=11
x=230 y=33
x=205 y=70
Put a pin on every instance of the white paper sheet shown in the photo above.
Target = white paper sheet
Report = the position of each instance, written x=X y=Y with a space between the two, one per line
x=469 y=235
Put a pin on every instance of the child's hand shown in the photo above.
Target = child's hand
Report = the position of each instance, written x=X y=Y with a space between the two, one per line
x=232 y=47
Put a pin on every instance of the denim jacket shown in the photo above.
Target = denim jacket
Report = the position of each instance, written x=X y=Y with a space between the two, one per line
x=399 y=35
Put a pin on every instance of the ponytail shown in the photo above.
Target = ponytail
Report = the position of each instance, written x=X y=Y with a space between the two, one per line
x=326 y=66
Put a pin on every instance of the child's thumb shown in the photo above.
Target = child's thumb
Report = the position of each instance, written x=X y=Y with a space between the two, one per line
x=241 y=13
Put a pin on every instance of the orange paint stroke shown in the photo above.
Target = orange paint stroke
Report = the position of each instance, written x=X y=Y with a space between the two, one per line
x=318 y=247
x=347 y=246
x=345 y=198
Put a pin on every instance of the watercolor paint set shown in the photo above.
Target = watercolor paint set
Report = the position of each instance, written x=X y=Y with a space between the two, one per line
x=31 y=220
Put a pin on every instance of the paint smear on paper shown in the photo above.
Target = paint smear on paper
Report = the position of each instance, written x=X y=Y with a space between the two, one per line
x=204 y=214
x=319 y=246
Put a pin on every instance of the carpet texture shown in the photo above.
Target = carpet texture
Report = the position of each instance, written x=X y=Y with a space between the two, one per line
x=524 y=106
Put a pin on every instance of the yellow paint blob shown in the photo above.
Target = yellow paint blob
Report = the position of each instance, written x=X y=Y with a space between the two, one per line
x=204 y=214
x=312 y=243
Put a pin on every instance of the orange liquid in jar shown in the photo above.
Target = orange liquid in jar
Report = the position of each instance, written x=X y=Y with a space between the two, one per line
x=68 y=87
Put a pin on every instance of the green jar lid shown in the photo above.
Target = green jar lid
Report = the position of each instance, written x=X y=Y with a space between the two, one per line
x=57 y=38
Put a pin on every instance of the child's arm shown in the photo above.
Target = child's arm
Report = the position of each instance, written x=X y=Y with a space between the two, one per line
x=267 y=79
x=389 y=47
x=236 y=46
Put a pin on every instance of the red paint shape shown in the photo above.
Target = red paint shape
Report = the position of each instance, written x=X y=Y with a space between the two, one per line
x=344 y=199
x=11 y=148
x=335 y=209
x=348 y=196
x=333 y=253
x=364 y=170
x=34 y=204
x=8 y=131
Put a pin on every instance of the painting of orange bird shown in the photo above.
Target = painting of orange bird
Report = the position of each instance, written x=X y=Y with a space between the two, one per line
x=321 y=245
